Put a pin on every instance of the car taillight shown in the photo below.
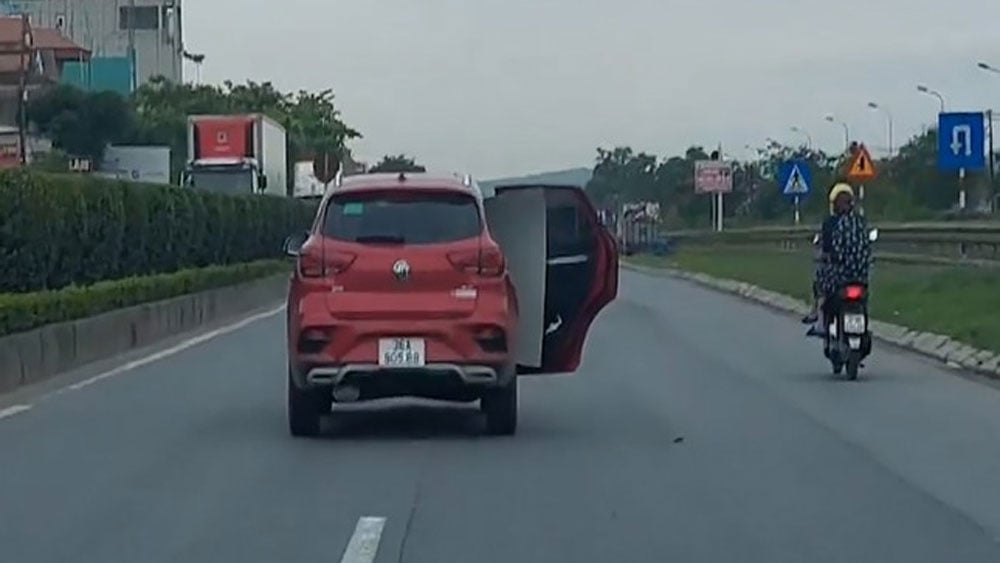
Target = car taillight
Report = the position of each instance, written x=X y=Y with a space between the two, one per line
x=491 y=262
x=485 y=262
x=318 y=264
x=854 y=292
x=313 y=340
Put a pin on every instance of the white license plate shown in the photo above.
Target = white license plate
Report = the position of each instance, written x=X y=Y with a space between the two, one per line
x=401 y=352
x=854 y=324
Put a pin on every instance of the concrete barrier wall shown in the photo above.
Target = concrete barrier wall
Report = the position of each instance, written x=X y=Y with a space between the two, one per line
x=34 y=356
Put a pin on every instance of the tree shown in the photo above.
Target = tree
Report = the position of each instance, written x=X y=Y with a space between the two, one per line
x=81 y=123
x=397 y=163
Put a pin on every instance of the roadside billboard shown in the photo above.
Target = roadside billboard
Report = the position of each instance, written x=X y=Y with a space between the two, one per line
x=713 y=177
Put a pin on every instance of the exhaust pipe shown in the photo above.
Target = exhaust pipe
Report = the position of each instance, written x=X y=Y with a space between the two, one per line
x=346 y=393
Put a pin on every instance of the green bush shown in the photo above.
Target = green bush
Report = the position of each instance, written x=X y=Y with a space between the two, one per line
x=62 y=230
x=24 y=311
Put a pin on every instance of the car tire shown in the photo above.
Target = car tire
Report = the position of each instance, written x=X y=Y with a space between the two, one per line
x=500 y=406
x=306 y=408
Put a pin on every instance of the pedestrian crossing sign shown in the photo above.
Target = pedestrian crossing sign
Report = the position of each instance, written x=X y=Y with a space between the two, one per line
x=795 y=178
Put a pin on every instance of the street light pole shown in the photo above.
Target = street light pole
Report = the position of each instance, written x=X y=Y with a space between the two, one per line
x=961 y=171
x=888 y=115
x=925 y=90
x=989 y=121
x=847 y=132
x=988 y=67
x=809 y=139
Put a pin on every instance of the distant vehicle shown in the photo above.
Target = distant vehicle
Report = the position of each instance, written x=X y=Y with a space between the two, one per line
x=421 y=285
x=306 y=186
x=236 y=154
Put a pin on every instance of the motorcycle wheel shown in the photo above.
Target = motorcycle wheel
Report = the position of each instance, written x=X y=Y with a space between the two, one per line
x=852 y=367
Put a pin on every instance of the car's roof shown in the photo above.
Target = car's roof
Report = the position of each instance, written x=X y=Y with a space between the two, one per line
x=410 y=180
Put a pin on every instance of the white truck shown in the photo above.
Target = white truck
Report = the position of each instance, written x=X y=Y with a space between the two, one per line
x=237 y=154
x=146 y=164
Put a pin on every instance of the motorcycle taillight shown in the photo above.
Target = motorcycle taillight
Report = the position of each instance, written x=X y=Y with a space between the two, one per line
x=854 y=292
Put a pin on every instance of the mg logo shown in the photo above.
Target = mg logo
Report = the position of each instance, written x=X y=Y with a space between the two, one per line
x=401 y=269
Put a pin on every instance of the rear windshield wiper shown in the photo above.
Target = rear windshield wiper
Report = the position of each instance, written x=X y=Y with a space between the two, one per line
x=380 y=239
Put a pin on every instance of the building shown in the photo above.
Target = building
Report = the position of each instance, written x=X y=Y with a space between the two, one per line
x=109 y=29
x=32 y=58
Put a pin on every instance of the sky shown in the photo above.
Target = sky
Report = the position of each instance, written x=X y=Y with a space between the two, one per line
x=501 y=88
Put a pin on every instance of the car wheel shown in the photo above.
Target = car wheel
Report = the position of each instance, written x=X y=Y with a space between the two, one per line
x=305 y=410
x=500 y=406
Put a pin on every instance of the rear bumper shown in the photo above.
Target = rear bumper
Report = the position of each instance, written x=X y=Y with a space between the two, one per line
x=471 y=375
x=463 y=347
x=458 y=382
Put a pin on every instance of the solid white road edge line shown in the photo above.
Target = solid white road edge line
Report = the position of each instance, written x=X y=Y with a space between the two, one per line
x=363 y=546
x=16 y=409
x=173 y=349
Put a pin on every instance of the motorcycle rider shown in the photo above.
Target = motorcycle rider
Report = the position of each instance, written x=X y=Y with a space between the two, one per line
x=822 y=250
x=845 y=252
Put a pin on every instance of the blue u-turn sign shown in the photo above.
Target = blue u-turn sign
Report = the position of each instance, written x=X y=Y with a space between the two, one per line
x=962 y=141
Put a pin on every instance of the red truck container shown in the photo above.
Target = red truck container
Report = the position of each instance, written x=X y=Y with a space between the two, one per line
x=237 y=154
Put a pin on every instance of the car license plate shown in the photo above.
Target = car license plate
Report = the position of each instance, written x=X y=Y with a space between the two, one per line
x=854 y=324
x=401 y=352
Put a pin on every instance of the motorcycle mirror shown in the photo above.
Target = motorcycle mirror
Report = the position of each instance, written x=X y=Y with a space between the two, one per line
x=873 y=235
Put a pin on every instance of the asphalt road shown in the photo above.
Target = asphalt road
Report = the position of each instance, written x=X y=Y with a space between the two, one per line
x=700 y=429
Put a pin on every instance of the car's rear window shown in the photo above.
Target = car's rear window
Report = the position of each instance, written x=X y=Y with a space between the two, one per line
x=402 y=217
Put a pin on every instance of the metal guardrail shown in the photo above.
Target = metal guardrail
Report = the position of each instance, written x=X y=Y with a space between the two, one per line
x=972 y=243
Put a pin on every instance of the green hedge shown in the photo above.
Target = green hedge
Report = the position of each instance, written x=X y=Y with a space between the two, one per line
x=24 y=311
x=62 y=230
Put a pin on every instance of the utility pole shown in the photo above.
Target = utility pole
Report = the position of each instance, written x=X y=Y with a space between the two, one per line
x=990 y=161
x=131 y=43
x=22 y=92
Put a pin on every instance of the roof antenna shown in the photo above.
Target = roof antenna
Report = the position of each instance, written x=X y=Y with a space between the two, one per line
x=402 y=177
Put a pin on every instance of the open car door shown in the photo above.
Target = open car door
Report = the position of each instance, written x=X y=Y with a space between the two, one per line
x=563 y=264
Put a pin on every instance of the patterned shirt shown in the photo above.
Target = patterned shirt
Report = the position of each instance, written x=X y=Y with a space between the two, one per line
x=851 y=256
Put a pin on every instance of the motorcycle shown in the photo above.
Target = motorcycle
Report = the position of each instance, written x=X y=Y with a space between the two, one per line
x=848 y=338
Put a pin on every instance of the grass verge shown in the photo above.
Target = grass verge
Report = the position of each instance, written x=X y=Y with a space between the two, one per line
x=960 y=302
x=24 y=311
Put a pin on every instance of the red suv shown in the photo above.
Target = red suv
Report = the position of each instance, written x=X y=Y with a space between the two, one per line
x=409 y=285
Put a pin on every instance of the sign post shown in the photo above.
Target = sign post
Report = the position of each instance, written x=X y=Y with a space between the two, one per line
x=962 y=145
x=325 y=166
x=862 y=169
x=795 y=179
x=714 y=177
x=719 y=213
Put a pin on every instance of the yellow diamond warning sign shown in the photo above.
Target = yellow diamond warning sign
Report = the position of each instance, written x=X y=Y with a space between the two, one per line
x=862 y=168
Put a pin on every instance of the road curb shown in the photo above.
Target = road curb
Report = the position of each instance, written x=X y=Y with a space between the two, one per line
x=34 y=356
x=936 y=346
